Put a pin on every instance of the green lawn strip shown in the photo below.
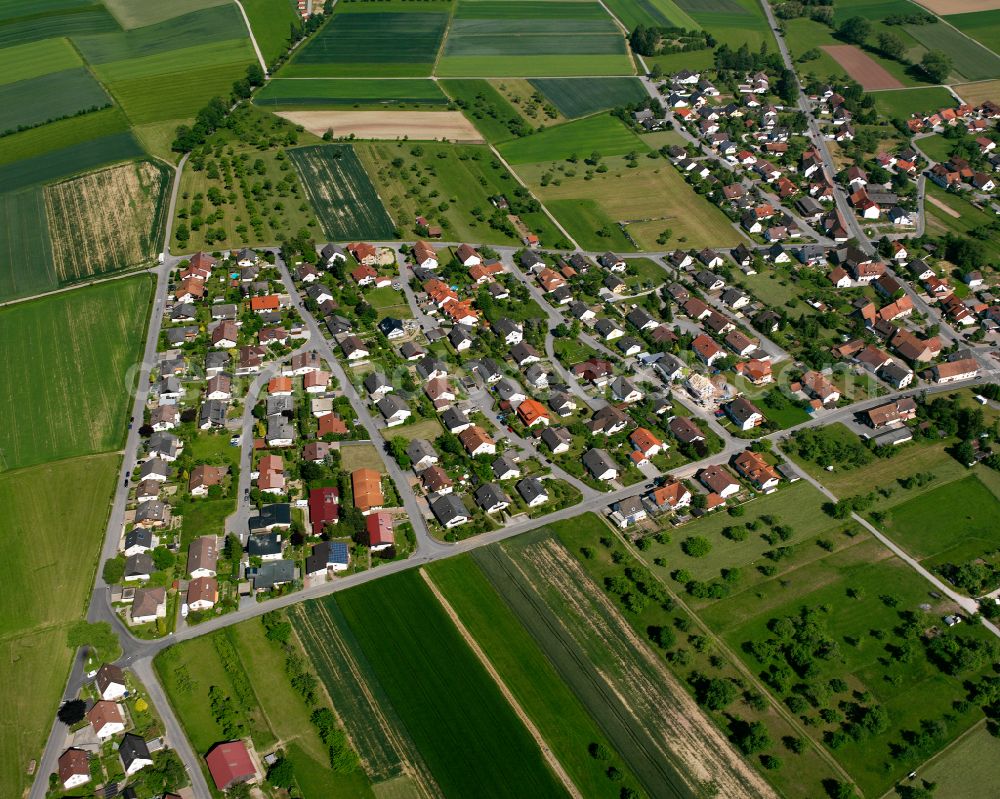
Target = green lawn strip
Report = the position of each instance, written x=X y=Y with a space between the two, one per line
x=92 y=338
x=442 y=693
x=968 y=57
x=548 y=701
x=983 y=26
x=657 y=13
x=82 y=20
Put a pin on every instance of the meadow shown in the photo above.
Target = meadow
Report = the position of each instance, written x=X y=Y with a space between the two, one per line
x=271 y=22
x=353 y=92
x=341 y=193
x=550 y=703
x=580 y=97
x=905 y=102
x=442 y=693
x=530 y=37
x=955 y=522
x=26 y=266
x=78 y=21
x=69 y=160
x=401 y=40
x=653 y=192
x=140 y=15
x=969 y=58
x=489 y=111
x=969 y=218
x=35 y=101
x=969 y=769
x=106 y=220
x=603 y=134
x=91 y=339
x=60 y=135
x=464 y=176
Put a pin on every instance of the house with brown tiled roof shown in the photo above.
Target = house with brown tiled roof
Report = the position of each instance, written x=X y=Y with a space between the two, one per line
x=759 y=473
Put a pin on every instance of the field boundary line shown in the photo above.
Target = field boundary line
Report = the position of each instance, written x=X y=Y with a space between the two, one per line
x=481 y=656
x=444 y=39
x=632 y=57
x=738 y=663
x=524 y=185
x=938 y=755
x=137 y=270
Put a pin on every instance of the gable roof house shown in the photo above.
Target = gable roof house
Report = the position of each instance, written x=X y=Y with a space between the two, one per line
x=600 y=465
x=148 y=605
x=229 y=763
x=106 y=718
x=110 y=682
x=717 y=479
x=449 y=510
x=752 y=466
x=203 y=555
x=745 y=415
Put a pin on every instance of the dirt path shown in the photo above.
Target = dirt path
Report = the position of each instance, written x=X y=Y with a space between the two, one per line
x=943 y=206
x=547 y=753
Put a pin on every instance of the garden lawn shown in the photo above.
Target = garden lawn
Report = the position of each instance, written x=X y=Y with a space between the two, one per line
x=936 y=147
x=603 y=134
x=969 y=218
x=389 y=302
x=954 y=522
x=442 y=693
x=563 y=721
x=92 y=339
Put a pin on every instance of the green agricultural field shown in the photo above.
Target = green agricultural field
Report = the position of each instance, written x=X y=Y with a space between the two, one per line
x=658 y=13
x=442 y=693
x=955 y=522
x=580 y=97
x=969 y=769
x=603 y=134
x=173 y=62
x=401 y=40
x=59 y=135
x=139 y=15
x=69 y=160
x=341 y=193
x=465 y=176
x=902 y=103
x=513 y=38
x=35 y=101
x=731 y=22
x=983 y=26
x=9 y=9
x=35 y=59
x=271 y=21
x=92 y=339
x=315 y=93
x=562 y=720
x=205 y=26
x=26 y=266
x=969 y=58
x=489 y=110
x=78 y=21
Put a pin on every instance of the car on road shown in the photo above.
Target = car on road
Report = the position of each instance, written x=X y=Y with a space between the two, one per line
x=125 y=482
x=396 y=285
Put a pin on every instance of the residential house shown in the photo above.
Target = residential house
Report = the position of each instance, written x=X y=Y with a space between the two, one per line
x=532 y=491
x=449 y=510
x=600 y=465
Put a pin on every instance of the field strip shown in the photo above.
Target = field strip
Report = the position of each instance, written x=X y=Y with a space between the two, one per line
x=632 y=57
x=943 y=206
x=547 y=752
x=253 y=40
x=444 y=39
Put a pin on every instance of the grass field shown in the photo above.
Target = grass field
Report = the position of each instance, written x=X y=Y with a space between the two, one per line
x=464 y=176
x=342 y=195
x=361 y=456
x=32 y=60
x=106 y=220
x=70 y=160
x=79 y=21
x=61 y=135
x=49 y=511
x=514 y=38
x=580 y=97
x=936 y=147
x=983 y=26
x=603 y=134
x=969 y=769
x=904 y=102
x=68 y=370
x=653 y=193
x=137 y=15
x=401 y=40
x=955 y=522
x=353 y=92
x=560 y=717
x=35 y=101
x=271 y=21
x=969 y=58
x=969 y=218
x=26 y=266
x=442 y=693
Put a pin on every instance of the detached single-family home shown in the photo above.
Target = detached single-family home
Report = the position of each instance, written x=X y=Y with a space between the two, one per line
x=449 y=510
x=600 y=464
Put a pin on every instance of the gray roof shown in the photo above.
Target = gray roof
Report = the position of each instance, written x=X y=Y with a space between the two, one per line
x=420 y=448
x=213 y=412
x=278 y=427
x=376 y=380
x=151 y=511
x=391 y=404
x=139 y=537
x=137 y=564
x=447 y=507
x=274 y=572
x=262 y=544
x=504 y=464
x=132 y=748
x=530 y=488
x=154 y=466
x=277 y=405
x=598 y=461
x=553 y=436
x=490 y=494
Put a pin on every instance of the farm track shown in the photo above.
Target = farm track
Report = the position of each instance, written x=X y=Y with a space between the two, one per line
x=330 y=652
x=477 y=650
